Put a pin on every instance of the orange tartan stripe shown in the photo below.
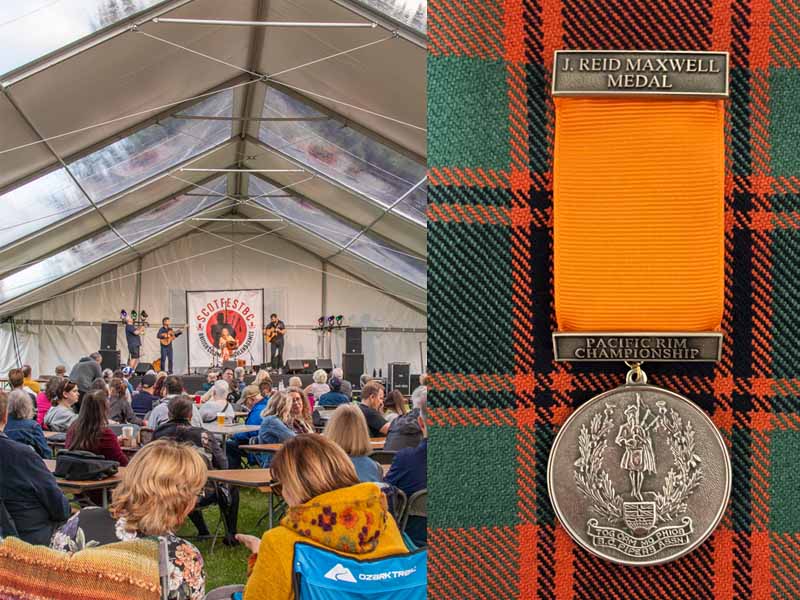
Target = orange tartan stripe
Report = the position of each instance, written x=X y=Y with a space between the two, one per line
x=467 y=213
x=471 y=417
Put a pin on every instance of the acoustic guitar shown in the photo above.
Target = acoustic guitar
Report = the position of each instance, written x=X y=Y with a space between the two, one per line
x=171 y=335
x=270 y=333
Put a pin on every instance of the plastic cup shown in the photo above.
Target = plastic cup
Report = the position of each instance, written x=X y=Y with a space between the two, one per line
x=220 y=418
x=127 y=433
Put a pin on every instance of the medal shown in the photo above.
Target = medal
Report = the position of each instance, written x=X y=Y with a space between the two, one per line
x=639 y=475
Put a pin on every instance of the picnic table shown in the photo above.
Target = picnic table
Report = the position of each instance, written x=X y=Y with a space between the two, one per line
x=228 y=429
x=78 y=487
x=261 y=479
x=377 y=444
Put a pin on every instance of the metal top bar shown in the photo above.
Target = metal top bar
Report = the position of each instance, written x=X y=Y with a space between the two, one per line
x=309 y=24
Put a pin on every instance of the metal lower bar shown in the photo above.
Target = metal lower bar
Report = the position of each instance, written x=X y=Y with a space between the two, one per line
x=215 y=118
x=309 y=24
x=243 y=219
x=198 y=170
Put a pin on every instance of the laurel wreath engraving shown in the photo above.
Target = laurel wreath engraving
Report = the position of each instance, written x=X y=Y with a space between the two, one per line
x=681 y=480
x=685 y=474
x=591 y=478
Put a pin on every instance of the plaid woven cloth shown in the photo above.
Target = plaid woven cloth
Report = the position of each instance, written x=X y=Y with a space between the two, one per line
x=498 y=398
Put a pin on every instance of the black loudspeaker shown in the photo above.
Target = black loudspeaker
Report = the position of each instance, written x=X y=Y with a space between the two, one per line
x=108 y=336
x=352 y=340
x=326 y=364
x=229 y=364
x=142 y=368
x=110 y=359
x=353 y=367
x=414 y=381
x=193 y=384
x=399 y=377
x=294 y=365
x=301 y=365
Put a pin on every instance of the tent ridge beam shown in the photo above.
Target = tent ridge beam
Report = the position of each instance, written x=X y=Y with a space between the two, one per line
x=75 y=180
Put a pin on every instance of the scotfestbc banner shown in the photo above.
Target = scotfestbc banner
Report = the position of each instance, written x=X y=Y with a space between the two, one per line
x=209 y=313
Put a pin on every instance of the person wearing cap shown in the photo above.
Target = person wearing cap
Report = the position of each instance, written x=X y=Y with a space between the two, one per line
x=127 y=373
x=144 y=401
x=335 y=397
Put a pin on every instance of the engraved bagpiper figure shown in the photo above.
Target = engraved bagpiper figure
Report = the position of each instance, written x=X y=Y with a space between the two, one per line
x=634 y=435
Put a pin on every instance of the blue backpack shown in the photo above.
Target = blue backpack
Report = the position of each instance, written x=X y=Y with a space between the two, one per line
x=321 y=574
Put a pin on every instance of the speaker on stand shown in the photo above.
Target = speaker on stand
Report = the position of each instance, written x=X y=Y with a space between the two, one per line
x=353 y=337
x=353 y=368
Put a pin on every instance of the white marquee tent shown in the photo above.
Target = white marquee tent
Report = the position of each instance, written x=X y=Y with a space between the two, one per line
x=141 y=157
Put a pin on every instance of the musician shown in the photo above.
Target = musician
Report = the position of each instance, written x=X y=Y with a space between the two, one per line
x=166 y=335
x=227 y=344
x=216 y=328
x=275 y=333
x=134 y=336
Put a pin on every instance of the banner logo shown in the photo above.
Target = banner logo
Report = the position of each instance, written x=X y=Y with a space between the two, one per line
x=217 y=316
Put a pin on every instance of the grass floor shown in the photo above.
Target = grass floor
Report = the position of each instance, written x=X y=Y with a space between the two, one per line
x=229 y=565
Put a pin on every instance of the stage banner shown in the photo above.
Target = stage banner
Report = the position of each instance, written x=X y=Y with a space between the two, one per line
x=214 y=314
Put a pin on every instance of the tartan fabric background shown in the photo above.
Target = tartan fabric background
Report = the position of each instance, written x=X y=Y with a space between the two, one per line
x=497 y=398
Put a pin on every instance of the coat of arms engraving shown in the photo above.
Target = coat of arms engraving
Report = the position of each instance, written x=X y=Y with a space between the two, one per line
x=638 y=522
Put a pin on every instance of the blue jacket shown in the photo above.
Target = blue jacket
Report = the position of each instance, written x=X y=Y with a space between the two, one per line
x=367 y=469
x=409 y=472
x=32 y=496
x=332 y=399
x=253 y=418
x=273 y=431
x=28 y=432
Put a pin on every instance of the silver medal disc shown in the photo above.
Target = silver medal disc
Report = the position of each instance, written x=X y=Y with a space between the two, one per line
x=639 y=475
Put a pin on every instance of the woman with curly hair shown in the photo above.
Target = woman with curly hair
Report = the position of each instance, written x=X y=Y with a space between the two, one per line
x=158 y=490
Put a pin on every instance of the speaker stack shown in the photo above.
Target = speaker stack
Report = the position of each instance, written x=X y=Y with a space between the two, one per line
x=353 y=357
x=108 y=346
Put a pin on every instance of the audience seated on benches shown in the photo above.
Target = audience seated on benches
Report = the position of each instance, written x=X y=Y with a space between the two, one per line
x=90 y=430
x=160 y=413
x=34 y=504
x=335 y=397
x=405 y=431
x=21 y=426
x=119 y=404
x=44 y=399
x=409 y=472
x=62 y=414
x=254 y=417
x=218 y=403
x=328 y=507
x=180 y=429
x=394 y=405
x=348 y=429
x=143 y=401
x=157 y=492
x=371 y=405
x=286 y=415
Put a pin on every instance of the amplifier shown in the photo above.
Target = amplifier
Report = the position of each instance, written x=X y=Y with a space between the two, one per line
x=399 y=377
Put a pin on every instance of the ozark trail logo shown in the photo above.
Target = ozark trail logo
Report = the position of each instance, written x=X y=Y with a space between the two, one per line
x=648 y=517
x=340 y=573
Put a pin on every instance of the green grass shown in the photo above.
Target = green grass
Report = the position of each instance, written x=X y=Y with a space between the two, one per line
x=229 y=565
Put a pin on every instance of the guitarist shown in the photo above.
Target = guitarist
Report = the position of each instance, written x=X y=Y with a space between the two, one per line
x=166 y=335
x=274 y=333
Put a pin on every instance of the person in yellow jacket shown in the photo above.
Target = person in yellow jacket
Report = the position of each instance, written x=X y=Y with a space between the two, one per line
x=328 y=508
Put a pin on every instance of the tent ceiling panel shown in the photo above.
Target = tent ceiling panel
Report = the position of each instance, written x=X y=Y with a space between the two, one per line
x=130 y=73
x=104 y=243
x=58 y=236
x=364 y=78
x=321 y=223
x=345 y=154
x=411 y=13
x=29 y=30
x=15 y=132
x=337 y=199
x=52 y=212
x=382 y=279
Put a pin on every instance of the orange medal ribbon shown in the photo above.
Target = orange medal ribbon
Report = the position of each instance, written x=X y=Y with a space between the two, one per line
x=638 y=192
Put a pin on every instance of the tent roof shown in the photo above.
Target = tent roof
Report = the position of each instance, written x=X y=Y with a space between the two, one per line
x=329 y=122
